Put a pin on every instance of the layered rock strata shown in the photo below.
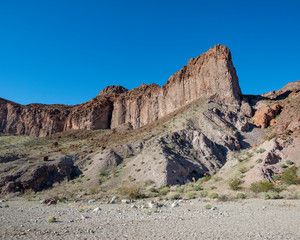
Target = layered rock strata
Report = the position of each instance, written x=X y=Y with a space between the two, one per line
x=212 y=74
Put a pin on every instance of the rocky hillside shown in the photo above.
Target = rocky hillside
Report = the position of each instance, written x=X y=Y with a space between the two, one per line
x=196 y=126
x=211 y=74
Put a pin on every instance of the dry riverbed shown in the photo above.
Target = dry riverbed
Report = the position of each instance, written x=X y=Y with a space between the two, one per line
x=247 y=219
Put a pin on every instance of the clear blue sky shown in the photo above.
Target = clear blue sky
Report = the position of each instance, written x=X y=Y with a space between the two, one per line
x=59 y=51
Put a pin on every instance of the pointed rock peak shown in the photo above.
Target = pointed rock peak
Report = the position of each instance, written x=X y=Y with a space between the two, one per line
x=114 y=89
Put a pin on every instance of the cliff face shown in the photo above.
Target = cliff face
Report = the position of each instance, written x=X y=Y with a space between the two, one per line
x=210 y=75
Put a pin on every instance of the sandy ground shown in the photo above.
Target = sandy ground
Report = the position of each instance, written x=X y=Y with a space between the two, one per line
x=247 y=219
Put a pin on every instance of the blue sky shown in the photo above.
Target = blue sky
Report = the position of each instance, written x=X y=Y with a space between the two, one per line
x=59 y=51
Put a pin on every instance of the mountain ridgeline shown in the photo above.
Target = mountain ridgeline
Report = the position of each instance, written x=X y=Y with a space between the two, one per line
x=212 y=74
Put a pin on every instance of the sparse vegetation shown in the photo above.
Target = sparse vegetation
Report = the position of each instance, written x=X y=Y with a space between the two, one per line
x=240 y=196
x=213 y=195
x=164 y=191
x=133 y=192
x=289 y=176
x=259 y=160
x=190 y=195
x=243 y=169
x=207 y=206
x=261 y=150
x=289 y=162
x=283 y=165
x=262 y=186
x=52 y=219
x=173 y=195
x=235 y=183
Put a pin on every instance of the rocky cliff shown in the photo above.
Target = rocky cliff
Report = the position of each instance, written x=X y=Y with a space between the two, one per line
x=212 y=74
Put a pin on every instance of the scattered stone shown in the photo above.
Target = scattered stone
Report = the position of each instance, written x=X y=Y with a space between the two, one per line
x=213 y=208
x=126 y=201
x=153 y=204
x=113 y=199
x=97 y=209
x=92 y=200
x=175 y=204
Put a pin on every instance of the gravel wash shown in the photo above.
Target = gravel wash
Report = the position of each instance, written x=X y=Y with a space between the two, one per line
x=247 y=219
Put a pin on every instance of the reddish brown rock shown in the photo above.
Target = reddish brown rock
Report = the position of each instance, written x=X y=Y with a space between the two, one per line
x=264 y=116
x=210 y=75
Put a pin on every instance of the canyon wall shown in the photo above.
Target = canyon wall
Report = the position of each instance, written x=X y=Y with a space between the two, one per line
x=212 y=74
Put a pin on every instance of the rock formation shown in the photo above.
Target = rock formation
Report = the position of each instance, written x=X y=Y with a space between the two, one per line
x=210 y=75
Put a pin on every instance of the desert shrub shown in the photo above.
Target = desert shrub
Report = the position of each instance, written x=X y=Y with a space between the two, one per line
x=217 y=179
x=197 y=187
x=128 y=155
x=206 y=178
x=243 y=169
x=235 y=183
x=207 y=206
x=262 y=186
x=152 y=189
x=164 y=191
x=289 y=176
x=289 y=162
x=134 y=191
x=94 y=190
x=213 y=187
x=180 y=189
x=270 y=195
x=275 y=177
x=213 y=195
x=103 y=173
x=137 y=170
x=261 y=150
x=190 y=195
x=240 y=196
x=203 y=194
x=259 y=160
x=283 y=165
x=251 y=167
x=173 y=195
x=223 y=198
x=52 y=219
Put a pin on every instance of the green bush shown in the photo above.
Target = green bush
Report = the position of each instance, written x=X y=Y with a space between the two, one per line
x=275 y=177
x=164 y=191
x=203 y=194
x=235 y=183
x=243 y=169
x=52 y=219
x=262 y=186
x=289 y=162
x=173 y=195
x=270 y=195
x=283 y=165
x=197 y=188
x=261 y=150
x=134 y=191
x=190 y=195
x=152 y=189
x=289 y=176
x=213 y=195
x=180 y=189
x=207 y=206
x=259 y=160
x=240 y=196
